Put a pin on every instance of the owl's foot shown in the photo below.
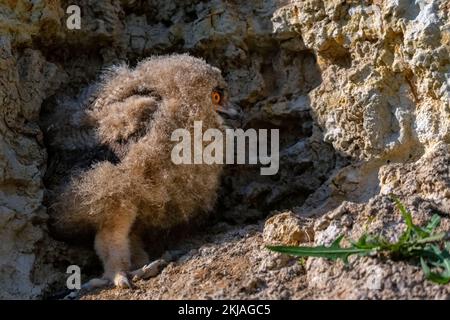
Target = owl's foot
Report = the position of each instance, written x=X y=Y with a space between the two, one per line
x=92 y=284
x=121 y=279
x=95 y=283
x=149 y=270
x=118 y=279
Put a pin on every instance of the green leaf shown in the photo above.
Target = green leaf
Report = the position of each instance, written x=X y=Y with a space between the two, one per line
x=433 y=224
x=432 y=238
x=425 y=268
x=366 y=242
x=415 y=241
x=440 y=278
x=406 y=215
x=440 y=259
x=333 y=252
x=412 y=229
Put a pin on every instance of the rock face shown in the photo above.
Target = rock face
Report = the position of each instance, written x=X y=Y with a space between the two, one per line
x=26 y=80
x=288 y=229
x=360 y=91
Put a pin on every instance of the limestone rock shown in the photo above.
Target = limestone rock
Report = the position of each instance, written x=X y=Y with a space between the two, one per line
x=287 y=229
x=25 y=81
x=360 y=91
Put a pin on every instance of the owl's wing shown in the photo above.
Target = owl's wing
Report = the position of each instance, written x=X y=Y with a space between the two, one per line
x=126 y=120
x=98 y=125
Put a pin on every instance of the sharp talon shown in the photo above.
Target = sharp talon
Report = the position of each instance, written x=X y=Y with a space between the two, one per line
x=149 y=270
x=121 y=281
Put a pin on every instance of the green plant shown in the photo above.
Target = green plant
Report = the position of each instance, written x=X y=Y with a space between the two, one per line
x=422 y=243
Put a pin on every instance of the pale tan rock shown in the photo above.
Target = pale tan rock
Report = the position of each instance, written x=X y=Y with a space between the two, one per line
x=360 y=91
x=287 y=229
x=24 y=83
x=381 y=77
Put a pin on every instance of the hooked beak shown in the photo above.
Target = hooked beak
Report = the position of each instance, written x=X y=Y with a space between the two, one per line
x=230 y=111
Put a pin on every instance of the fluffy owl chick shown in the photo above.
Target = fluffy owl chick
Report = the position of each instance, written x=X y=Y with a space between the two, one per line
x=135 y=113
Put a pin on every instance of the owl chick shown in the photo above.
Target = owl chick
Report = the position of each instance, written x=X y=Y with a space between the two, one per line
x=134 y=115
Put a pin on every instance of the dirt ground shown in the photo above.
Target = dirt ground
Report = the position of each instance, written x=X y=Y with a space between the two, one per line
x=230 y=263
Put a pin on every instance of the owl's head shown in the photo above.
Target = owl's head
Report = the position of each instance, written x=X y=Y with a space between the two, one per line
x=190 y=80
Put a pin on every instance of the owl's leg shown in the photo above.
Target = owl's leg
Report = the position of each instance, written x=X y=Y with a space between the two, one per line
x=112 y=244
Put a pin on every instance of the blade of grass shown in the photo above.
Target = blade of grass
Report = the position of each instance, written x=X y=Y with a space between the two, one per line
x=333 y=252
x=415 y=241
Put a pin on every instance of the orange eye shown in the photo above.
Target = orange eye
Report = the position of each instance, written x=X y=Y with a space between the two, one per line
x=216 y=97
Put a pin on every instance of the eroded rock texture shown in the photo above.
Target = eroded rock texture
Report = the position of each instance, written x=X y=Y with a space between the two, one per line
x=26 y=80
x=359 y=90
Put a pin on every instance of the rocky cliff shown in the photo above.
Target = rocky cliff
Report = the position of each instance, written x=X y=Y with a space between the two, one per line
x=359 y=90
